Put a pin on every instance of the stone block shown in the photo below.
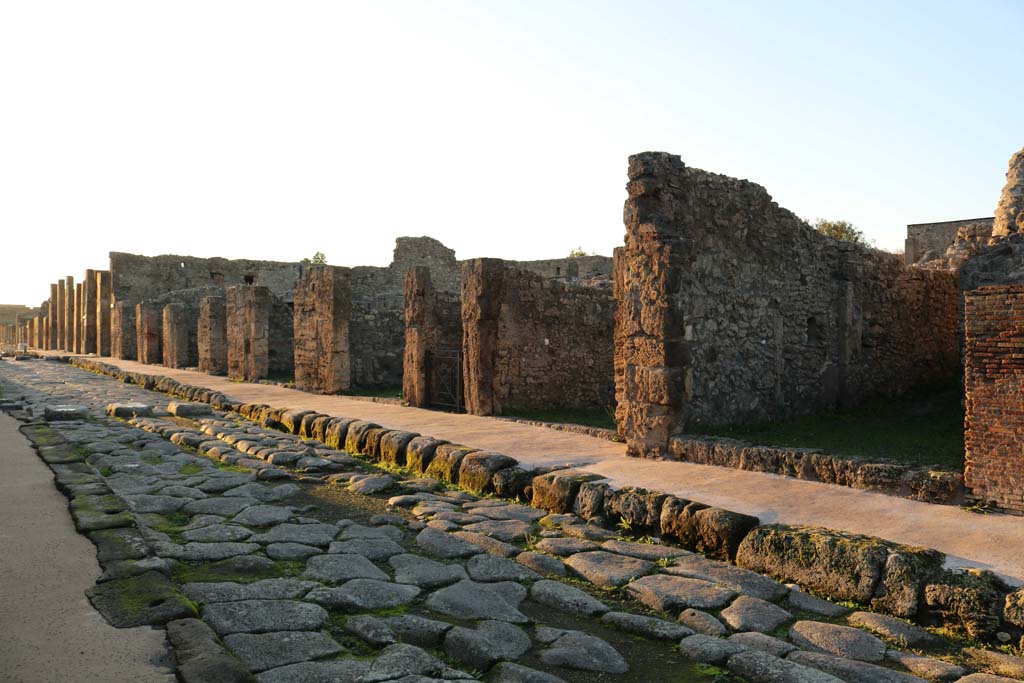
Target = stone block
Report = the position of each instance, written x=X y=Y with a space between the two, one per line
x=174 y=327
x=323 y=308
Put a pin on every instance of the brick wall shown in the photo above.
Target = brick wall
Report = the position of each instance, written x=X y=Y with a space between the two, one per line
x=323 y=308
x=433 y=323
x=211 y=336
x=994 y=388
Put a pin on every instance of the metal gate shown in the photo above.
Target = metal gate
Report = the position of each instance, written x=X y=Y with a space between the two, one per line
x=444 y=373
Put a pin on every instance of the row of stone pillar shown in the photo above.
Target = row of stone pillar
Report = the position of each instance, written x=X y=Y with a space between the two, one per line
x=76 y=317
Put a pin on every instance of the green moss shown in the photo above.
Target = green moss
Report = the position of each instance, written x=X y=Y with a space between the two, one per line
x=226 y=571
x=190 y=468
x=227 y=467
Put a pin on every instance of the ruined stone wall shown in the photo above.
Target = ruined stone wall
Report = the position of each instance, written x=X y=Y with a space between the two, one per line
x=927 y=241
x=190 y=299
x=103 y=300
x=433 y=323
x=211 y=333
x=175 y=336
x=259 y=334
x=149 y=332
x=731 y=309
x=531 y=343
x=122 y=331
x=994 y=389
x=1009 y=218
x=583 y=267
x=323 y=308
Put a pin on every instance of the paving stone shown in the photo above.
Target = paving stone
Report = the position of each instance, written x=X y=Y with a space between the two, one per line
x=180 y=491
x=543 y=564
x=424 y=572
x=488 y=568
x=147 y=599
x=584 y=652
x=218 y=506
x=668 y=593
x=926 y=667
x=753 y=614
x=509 y=672
x=565 y=546
x=332 y=671
x=490 y=642
x=204 y=552
x=270 y=650
x=759 y=667
x=400 y=660
x=649 y=627
x=487 y=544
x=741 y=580
x=161 y=505
x=903 y=632
x=307 y=534
x=215 y=533
x=224 y=482
x=806 y=602
x=445 y=545
x=986 y=678
x=341 y=568
x=844 y=641
x=263 y=492
x=129 y=410
x=708 y=649
x=364 y=595
x=998 y=663
x=263 y=616
x=608 y=570
x=370 y=629
x=63 y=412
x=291 y=551
x=644 y=551
x=507 y=530
x=417 y=630
x=179 y=409
x=376 y=549
x=442 y=525
x=702 y=622
x=471 y=600
x=263 y=515
x=229 y=591
x=566 y=598
x=523 y=513
x=372 y=484
x=752 y=640
x=360 y=531
x=850 y=670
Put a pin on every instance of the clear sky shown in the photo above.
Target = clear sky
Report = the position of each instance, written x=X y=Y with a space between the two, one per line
x=273 y=130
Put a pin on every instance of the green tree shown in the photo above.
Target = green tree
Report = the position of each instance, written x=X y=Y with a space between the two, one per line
x=842 y=230
x=318 y=259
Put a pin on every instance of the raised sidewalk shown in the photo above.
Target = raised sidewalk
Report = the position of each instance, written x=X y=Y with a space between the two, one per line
x=990 y=541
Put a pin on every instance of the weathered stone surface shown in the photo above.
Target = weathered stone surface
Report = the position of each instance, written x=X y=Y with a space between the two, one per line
x=926 y=667
x=851 y=671
x=341 y=568
x=649 y=627
x=476 y=469
x=508 y=672
x=263 y=616
x=263 y=515
x=1009 y=215
x=742 y=580
x=905 y=633
x=806 y=602
x=702 y=622
x=760 y=667
x=644 y=551
x=565 y=546
x=375 y=549
x=229 y=591
x=707 y=649
x=488 y=643
x=669 y=593
x=608 y=570
x=471 y=600
x=747 y=613
x=752 y=640
x=424 y=572
x=542 y=564
x=364 y=594
x=996 y=662
x=566 y=598
x=843 y=641
x=179 y=409
x=445 y=545
x=584 y=652
x=418 y=630
x=488 y=568
x=407 y=663
x=331 y=671
x=556 y=491
x=323 y=308
x=147 y=599
x=269 y=650
x=968 y=599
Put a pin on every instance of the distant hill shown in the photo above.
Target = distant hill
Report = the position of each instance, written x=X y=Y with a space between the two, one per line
x=9 y=313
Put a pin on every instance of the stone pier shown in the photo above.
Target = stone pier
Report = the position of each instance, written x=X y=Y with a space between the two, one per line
x=89 y=312
x=51 y=319
x=175 y=336
x=323 y=307
x=76 y=340
x=103 y=312
x=259 y=334
x=212 y=336
x=60 y=315
x=148 y=335
x=69 y=314
x=122 y=331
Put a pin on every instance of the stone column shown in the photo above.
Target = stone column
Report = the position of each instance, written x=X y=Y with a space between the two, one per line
x=323 y=308
x=51 y=317
x=148 y=319
x=103 y=312
x=89 y=312
x=69 y=314
x=59 y=315
x=212 y=336
x=248 y=332
x=77 y=330
x=175 y=336
x=122 y=331
x=481 y=306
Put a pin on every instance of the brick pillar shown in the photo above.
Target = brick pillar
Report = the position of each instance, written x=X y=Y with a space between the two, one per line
x=122 y=331
x=51 y=329
x=103 y=295
x=175 y=336
x=323 y=308
x=89 y=312
x=248 y=332
x=148 y=319
x=77 y=329
x=212 y=336
x=69 y=314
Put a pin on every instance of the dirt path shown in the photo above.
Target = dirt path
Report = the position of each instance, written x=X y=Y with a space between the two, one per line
x=51 y=632
x=988 y=541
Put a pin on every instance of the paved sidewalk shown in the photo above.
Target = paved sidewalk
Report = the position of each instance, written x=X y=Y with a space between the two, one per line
x=51 y=632
x=991 y=541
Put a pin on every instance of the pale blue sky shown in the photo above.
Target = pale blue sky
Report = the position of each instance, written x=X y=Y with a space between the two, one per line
x=274 y=130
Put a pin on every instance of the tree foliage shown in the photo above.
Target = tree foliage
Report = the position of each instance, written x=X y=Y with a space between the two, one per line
x=841 y=230
x=319 y=259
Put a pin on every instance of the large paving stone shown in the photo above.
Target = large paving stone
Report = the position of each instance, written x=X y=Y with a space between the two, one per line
x=218 y=506
x=986 y=678
x=364 y=595
x=361 y=531
x=851 y=671
x=903 y=632
x=644 y=551
x=566 y=598
x=509 y=672
x=669 y=593
x=523 y=513
x=753 y=614
x=542 y=564
x=843 y=641
x=805 y=602
x=263 y=515
x=291 y=551
x=229 y=591
x=752 y=640
x=649 y=627
x=702 y=622
x=341 y=568
x=759 y=667
x=217 y=533
x=565 y=546
x=370 y=629
x=205 y=552
x=161 y=505
x=488 y=568
x=487 y=544
x=270 y=650
x=263 y=616
x=471 y=600
x=608 y=570
x=445 y=545
x=926 y=667
x=742 y=580
x=507 y=530
x=376 y=549
x=584 y=652
x=419 y=631
x=308 y=534
x=424 y=572
x=996 y=662
x=331 y=671
x=708 y=649
x=147 y=599
x=398 y=661
x=488 y=643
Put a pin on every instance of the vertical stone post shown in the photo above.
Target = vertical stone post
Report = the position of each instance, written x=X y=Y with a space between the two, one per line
x=175 y=336
x=103 y=299
x=51 y=336
x=78 y=326
x=89 y=312
x=122 y=331
x=69 y=314
x=212 y=336
x=323 y=308
x=248 y=332
x=481 y=306
x=60 y=315
x=148 y=319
